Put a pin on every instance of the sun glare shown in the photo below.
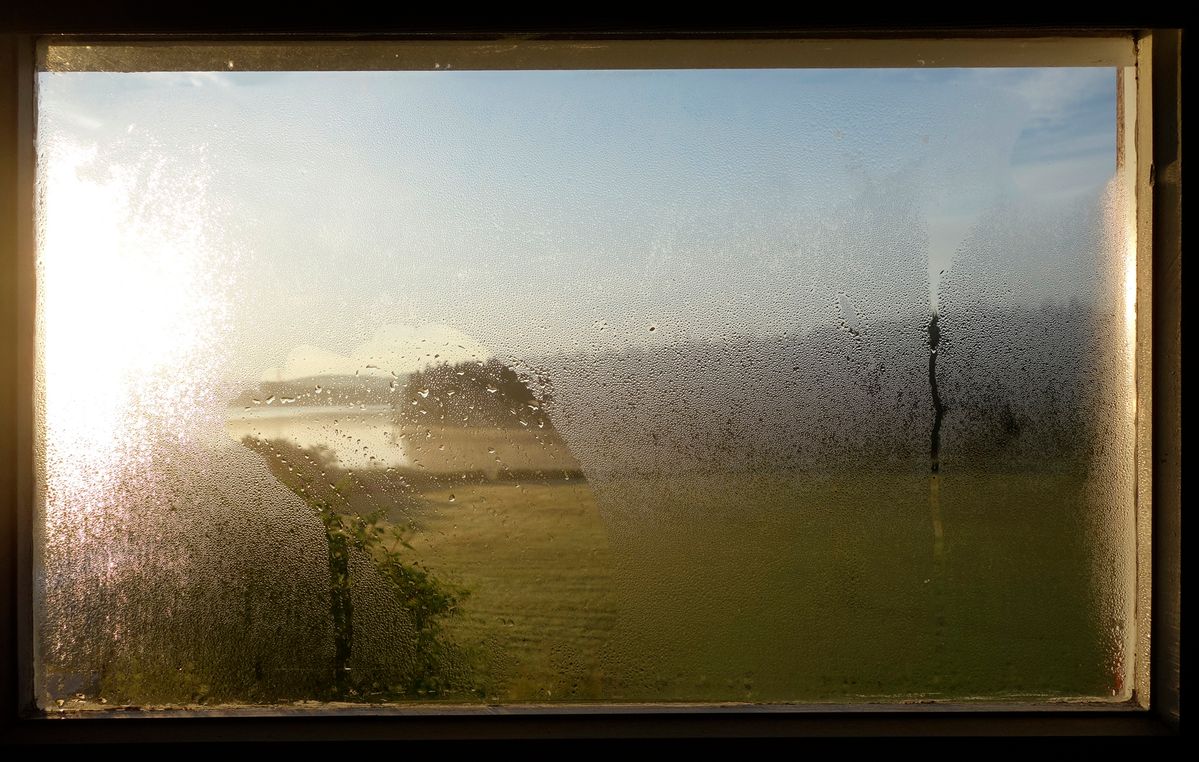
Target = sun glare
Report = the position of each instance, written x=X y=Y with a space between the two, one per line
x=129 y=305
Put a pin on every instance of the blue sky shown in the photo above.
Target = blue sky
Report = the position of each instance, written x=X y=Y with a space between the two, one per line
x=520 y=207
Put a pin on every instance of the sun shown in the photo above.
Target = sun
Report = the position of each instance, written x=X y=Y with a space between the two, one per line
x=130 y=302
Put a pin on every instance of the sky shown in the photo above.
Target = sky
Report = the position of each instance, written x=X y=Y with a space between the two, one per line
x=537 y=211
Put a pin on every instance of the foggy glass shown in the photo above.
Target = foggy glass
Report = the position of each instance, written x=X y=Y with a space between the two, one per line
x=582 y=386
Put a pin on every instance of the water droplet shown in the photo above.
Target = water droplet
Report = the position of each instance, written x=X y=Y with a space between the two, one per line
x=452 y=498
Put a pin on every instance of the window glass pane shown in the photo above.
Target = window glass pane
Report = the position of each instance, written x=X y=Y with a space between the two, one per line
x=583 y=386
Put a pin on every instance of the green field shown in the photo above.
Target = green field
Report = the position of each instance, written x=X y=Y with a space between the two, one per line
x=775 y=587
x=708 y=582
x=767 y=586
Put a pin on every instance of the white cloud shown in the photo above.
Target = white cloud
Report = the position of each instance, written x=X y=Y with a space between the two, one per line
x=1051 y=95
x=396 y=349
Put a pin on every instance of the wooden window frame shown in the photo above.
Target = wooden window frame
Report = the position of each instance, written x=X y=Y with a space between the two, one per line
x=1156 y=133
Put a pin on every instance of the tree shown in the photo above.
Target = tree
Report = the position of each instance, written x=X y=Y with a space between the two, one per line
x=308 y=472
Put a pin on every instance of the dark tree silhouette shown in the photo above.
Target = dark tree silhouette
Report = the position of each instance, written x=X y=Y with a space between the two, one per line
x=311 y=473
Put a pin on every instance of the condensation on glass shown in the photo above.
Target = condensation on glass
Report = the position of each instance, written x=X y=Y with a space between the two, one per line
x=527 y=387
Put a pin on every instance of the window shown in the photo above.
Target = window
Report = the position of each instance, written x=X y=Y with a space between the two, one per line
x=650 y=517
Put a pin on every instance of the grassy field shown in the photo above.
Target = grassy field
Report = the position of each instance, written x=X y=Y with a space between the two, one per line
x=775 y=587
x=767 y=586
x=537 y=564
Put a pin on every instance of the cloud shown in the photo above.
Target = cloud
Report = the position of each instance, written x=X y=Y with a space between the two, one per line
x=1051 y=95
x=396 y=349
x=1054 y=95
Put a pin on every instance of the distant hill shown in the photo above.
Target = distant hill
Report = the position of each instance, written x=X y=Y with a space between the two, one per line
x=1022 y=387
x=323 y=391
